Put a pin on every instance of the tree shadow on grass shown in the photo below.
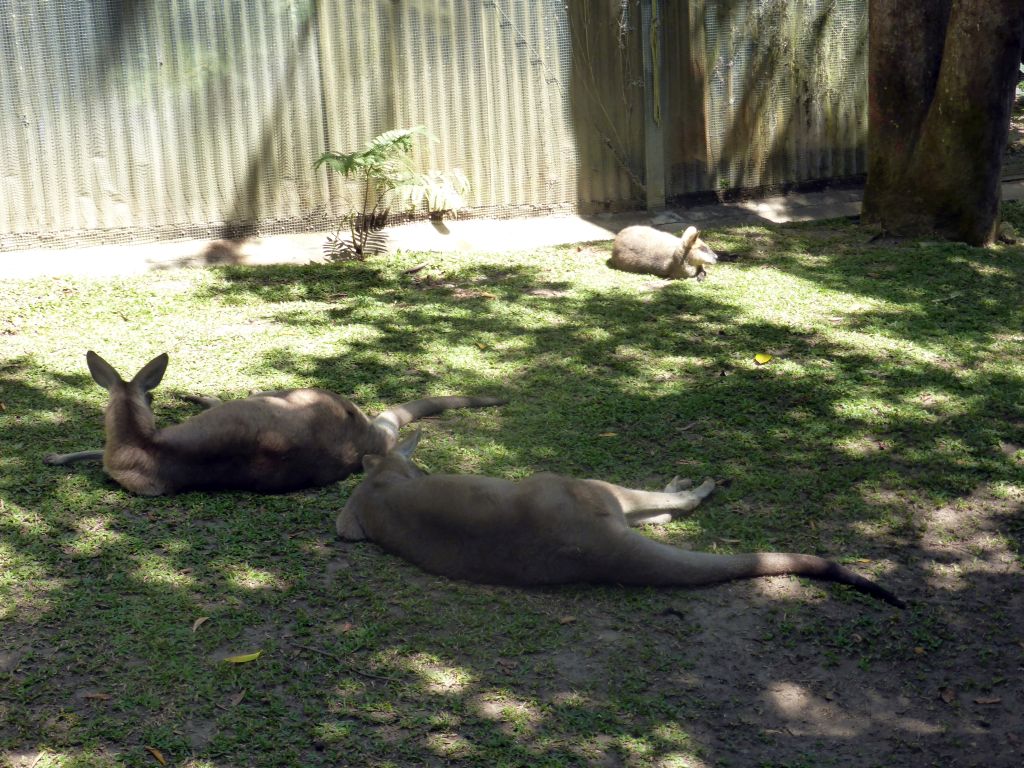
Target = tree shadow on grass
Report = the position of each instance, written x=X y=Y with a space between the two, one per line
x=840 y=450
x=831 y=448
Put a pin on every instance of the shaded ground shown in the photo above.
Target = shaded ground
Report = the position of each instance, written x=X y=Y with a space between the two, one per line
x=887 y=430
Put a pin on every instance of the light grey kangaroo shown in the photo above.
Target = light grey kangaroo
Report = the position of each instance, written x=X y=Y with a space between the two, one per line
x=650 y=251
x=548 y=529
x=270 y=442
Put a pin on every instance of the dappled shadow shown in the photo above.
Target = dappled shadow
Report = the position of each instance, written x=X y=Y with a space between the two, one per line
x=365 y=659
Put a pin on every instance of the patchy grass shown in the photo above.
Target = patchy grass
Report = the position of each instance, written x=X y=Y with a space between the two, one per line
x=886 y=430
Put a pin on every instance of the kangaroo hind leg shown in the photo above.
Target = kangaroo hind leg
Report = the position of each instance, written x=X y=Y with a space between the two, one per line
x=58 y=459
x=656 y=507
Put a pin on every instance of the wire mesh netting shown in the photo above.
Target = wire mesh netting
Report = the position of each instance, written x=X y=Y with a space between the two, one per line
x=787 y=90
x=125 y=120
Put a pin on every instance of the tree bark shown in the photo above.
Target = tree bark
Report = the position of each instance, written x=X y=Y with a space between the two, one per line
x=941 y=81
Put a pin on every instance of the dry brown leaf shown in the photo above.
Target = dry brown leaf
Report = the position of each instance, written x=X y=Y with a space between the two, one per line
x=919 y=650
x=97 y=696
x=237 y=698
x=199 y=622
x=985 y=701
x=947 y=694
x=157 y=754
x=567 y=620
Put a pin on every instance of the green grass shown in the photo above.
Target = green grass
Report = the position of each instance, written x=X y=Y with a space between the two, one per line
x=896 y=385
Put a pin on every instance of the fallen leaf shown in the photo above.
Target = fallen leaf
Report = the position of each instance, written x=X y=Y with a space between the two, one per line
x=567 y=620
x=156 y=753
x=243 y=658
x=237 y=698
x=919 y=650
x=608 y=434
x=761 y=358
x=348 y=626
x=97 y=696
x=947 y=694
x=3 y=407
x=989 y=700
x=199 y=622
x=482 y=346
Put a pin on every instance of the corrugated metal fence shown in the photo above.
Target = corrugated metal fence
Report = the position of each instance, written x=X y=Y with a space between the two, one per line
x=125 y=119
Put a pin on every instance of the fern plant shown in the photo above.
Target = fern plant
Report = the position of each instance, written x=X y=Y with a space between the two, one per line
x=440 y=193
x=383 y=166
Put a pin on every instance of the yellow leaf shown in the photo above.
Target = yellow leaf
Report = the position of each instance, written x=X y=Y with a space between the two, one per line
x=243 y=658
x=608 y=434
x=157 y=754
x=482 y=346
x=761 y=358
x=199 y=622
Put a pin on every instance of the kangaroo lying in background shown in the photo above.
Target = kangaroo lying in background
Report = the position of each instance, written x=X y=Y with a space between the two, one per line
x=548 y=529
x=270 y=442
x=649 y=251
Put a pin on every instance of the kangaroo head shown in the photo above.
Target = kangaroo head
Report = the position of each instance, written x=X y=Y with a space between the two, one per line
x=695 y=250
x=397 y=461
x=134 y=394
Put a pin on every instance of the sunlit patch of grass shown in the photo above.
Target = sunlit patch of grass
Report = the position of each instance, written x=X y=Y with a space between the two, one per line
x=158 y=570
x=893 y=390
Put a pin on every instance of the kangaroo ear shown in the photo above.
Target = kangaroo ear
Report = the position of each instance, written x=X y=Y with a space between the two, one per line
x=407 y=446
x=371 y=460
x=102 y=372
x=151 y=373
x=690 y=237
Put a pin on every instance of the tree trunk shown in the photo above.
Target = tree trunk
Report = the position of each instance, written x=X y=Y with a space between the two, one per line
x=941 y=77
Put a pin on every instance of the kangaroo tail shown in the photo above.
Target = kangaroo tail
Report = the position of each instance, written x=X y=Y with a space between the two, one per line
x=396 y=417
x=654 y=564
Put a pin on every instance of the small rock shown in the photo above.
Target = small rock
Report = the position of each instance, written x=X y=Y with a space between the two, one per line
x=1006 y=233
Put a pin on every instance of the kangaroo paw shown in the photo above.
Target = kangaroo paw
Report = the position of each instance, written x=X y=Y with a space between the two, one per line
x=203 y=400
x=678 y=483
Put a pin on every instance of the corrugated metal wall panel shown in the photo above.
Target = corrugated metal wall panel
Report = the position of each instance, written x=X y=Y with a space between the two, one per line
x=607 y=101
x=189 y=117
x=170 y=117
x=487 y=77
x=786 y=89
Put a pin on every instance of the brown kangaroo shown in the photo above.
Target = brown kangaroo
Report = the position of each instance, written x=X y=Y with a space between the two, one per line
x=270 y=442
x=548 y=529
